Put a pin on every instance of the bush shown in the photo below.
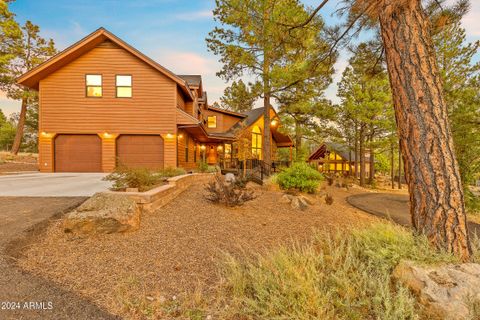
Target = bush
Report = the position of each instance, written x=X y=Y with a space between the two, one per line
x=300 y=176
x=202 y=166
x=171 y=172
x=335 y=276
x=230 y=194
x=141 y=178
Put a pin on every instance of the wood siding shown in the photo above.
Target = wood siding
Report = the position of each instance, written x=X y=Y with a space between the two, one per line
x=224 y=121
x=66 y=109
x=183 y=137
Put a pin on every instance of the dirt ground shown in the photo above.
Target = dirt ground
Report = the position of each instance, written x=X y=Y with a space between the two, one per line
x=178 y=248
x=19 y=163
x=22 y=221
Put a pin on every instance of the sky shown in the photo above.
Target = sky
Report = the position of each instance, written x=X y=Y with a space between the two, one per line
x=172 y=32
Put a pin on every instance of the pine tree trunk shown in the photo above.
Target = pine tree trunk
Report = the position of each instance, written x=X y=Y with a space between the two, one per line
x=362 y=155
x=399 y=166
x=17 y=142
x=436 y=195
x=392 y=165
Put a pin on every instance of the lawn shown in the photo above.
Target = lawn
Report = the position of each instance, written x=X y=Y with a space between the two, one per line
x=176 y=256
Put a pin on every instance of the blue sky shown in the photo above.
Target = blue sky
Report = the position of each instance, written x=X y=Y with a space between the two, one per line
x=170 y=31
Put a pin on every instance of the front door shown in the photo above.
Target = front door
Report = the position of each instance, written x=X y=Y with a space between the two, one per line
x=211 y=154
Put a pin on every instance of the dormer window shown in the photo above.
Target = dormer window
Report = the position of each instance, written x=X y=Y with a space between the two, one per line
x=93 y=85
x=124 y=86
x=212 y=121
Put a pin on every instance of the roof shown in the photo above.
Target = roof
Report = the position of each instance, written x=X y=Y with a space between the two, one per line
x=229 y=112
x=250 y=117
x=340 y=149
x=32 y=77
x=192 y=79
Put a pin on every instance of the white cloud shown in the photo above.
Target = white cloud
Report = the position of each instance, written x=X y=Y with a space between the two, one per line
x=194 y=15
x=340 y=65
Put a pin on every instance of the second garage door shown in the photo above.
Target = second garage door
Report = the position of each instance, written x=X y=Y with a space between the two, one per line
x=78 y=153
x=137 y=151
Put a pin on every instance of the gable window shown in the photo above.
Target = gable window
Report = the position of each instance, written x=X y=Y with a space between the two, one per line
x=93 y=85
x=124 y=86
x=212 y=121
x=256 y=143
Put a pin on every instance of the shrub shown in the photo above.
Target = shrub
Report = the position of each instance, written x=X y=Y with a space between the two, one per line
x=300 y=176
x=141 y=178
x=231 y=194
x=335 y=276
x=171 y=172
x=202 y=166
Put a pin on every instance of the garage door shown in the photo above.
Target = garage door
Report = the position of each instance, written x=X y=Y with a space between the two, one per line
x=143 y=151
x=78 y=153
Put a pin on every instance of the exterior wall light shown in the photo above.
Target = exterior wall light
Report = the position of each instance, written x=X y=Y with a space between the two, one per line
x=107 y=135
x=180 y=136
x=274 y=123
x=202 y=147
x=219 y=148
x=46 y=134
x=169 y=136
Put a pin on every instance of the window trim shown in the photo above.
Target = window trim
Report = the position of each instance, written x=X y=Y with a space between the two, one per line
x=208 y=125
x=131 y=86
x=87 y=86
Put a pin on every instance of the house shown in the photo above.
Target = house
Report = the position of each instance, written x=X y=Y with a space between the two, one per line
x=102 y=103
x=337 y=158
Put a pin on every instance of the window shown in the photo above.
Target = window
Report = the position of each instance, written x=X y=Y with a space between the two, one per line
x=186 y=148
x=124 y=86
x=94 y=85
x=228 y=151
x=212 y=121
x=256 y=143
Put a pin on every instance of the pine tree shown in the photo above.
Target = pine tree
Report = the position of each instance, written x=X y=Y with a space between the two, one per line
x=256 y=38
x=239 y=97
x=30 y=50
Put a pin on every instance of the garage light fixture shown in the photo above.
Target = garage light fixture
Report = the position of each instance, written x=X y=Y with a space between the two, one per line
x=169 y=135
x=107 y=135
x=46 y=134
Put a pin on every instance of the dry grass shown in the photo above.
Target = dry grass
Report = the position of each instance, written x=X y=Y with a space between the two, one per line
x=175 y=253
x=20 y=162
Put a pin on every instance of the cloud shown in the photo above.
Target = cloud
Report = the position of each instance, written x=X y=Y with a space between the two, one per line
x=194 y=15
x=340 y=65
x=185 y=62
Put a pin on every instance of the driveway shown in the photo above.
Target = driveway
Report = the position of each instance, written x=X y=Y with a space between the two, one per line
x=393 y=207
x=53 y=184
x=24 y=295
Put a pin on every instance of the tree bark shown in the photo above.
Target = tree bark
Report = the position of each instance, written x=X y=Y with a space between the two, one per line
x=17 y=142
x=362 y=155
x=431 y=169
x=371 y=177
x=392 y=165
x=399 y=166
x=266 y=93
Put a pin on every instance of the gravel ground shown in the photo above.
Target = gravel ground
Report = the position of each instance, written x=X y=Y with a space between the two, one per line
x=24 y=295
x=178 y=248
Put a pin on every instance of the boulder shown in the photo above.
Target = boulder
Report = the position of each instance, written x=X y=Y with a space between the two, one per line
x=299 y=203
x=230 y=178
x=104 y=213
x=447 y=291
x=286 y=198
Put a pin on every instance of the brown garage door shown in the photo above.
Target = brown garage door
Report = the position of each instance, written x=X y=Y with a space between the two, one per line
x=145 y=151
x=78 y=153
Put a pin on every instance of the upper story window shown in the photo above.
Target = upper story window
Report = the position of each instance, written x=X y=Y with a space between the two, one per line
x=124 y=86
x=212 y=121
x=94 y=85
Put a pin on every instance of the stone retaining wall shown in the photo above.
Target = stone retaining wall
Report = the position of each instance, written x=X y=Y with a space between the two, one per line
x=156 y=198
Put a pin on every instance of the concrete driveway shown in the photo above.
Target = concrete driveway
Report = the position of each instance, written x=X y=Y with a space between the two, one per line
x=53 y=184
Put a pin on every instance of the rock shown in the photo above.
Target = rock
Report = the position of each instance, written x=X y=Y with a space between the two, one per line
x=286 y=198
x=104 y=213
x=131 y=190
x=306 y=200
x=446 y=291
x=299 y=203
x=230 y=178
